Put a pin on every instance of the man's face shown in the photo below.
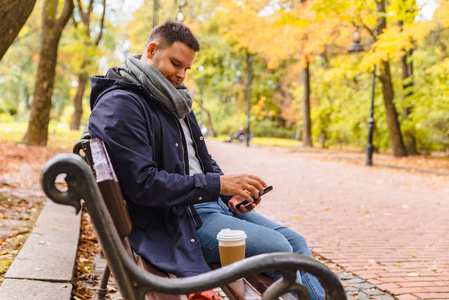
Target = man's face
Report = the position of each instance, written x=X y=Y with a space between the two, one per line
x=173 y=62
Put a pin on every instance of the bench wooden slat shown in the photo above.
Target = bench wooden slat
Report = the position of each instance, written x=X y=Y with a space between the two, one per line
x=241 y=290
x=254 y=286
x=108 y=184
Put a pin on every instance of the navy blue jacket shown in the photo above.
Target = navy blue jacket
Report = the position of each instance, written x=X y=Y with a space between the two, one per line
x=148 y=151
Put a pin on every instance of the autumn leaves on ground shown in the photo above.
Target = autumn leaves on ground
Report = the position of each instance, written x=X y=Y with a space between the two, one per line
x=21 y=200
x=20 y=197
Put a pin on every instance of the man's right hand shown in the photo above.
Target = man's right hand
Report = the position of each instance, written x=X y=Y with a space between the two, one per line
x=243 y=185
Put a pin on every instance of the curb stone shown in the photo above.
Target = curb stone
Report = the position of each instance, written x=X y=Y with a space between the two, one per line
x=33 y=275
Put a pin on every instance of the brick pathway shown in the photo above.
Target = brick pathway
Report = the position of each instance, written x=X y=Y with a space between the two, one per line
x=386 y=227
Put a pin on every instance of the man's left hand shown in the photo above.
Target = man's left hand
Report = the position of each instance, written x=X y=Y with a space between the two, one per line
x=243 y=209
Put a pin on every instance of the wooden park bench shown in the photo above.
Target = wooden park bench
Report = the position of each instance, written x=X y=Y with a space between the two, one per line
x=97 y=186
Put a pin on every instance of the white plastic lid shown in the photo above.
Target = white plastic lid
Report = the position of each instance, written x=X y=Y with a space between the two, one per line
x=231 y=235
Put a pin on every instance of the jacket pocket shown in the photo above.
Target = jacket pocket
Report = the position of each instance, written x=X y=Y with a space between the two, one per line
x=195 y=216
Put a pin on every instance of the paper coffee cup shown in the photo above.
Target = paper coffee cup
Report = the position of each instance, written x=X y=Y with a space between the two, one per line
x=231 y=244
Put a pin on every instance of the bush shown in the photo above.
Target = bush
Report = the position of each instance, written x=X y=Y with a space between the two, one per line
x=266 y=129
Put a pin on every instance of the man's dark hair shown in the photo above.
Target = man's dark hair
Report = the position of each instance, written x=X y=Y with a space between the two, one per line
x=173 y=31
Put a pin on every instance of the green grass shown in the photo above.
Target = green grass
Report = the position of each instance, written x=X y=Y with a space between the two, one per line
x=59 y=134
x=275 y=142
x=266 y=141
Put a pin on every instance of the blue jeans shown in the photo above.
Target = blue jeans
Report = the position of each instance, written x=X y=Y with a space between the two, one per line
x=277 y=238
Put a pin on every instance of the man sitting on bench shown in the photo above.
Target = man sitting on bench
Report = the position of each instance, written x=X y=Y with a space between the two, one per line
x=177 y=197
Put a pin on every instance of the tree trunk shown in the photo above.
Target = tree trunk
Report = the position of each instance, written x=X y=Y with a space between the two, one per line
x=37 y=133
x=394 y=130
x=307 y=131
x=202 y=108
x=397 y=144
x=83 y=75
x=155 y=11
x=13 y=14
x=209 y=121
x=407 y=85
x=78 y=101
x=248 y=94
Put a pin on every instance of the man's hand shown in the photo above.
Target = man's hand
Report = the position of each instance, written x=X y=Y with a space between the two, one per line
x=243 y=209
x=243 y=185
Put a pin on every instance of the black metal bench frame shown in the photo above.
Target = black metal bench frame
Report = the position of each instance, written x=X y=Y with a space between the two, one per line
x=133 y=282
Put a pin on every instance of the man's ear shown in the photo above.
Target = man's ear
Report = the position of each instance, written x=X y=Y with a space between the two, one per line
x=151 y=50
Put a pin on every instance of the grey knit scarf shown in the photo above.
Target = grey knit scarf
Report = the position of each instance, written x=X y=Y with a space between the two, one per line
x=178 y=99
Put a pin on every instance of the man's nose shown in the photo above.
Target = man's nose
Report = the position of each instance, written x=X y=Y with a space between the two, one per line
x=181 y=74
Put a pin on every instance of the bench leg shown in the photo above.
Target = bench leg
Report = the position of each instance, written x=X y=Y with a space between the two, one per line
x=103 y=289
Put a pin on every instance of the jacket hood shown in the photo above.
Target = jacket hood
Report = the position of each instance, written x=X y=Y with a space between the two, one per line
x=111 y=81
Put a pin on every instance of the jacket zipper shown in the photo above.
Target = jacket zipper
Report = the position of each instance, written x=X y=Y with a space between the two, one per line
x=189 y=207
x=180 y=135
x=182 y=147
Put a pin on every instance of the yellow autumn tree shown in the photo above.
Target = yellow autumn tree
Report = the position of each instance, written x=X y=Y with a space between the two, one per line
x=280 y=32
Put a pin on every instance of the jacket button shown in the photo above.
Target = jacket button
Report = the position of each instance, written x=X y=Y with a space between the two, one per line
x=192 y=240
x=201 y=138
x=176 y=145
x=200 y=198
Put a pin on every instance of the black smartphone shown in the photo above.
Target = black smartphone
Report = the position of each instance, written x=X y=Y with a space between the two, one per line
x=265 y=190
